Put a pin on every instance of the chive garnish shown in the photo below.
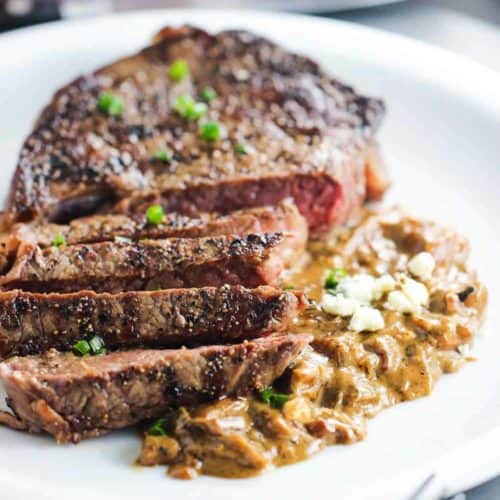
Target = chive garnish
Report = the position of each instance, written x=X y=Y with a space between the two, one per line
x=158 y=428
x=208 y=94
x=210 y=131
x=333 y=278
x=110 y=104
x=81 y=348
x=97 y=345
x=273 y=398
x=155 y=214
x=288 y=287
x=59 y=241
x=188 y=108
x=240 y=149
x=162 y=155
x=178 y=70
x=93 y=346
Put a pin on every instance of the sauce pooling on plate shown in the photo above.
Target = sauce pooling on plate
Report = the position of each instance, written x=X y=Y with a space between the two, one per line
x=393 y=306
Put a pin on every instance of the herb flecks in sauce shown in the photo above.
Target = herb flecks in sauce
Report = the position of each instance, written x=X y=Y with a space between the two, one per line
x=333 y=277
x=273 y=398
x=158 y=428
x=346 y=376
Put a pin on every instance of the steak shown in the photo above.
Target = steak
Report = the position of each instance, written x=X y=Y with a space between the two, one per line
x=32 y=323
x=250 y=260
x=286 y=129
x=283 y=217
x=74 y=397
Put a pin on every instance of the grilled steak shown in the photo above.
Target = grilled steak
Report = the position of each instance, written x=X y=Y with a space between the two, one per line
x=286 y=129
x=250 y=260
x=72 y=397
x=283 y=217
x=32 y=323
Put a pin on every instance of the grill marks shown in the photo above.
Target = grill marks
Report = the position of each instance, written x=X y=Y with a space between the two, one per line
x=299 y=123
x=32 y=323
x=72 y=398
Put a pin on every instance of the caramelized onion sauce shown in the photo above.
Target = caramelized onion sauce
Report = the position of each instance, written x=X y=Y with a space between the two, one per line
x=345 y=376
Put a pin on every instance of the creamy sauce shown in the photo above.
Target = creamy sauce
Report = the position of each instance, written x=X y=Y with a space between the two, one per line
x=346 y=376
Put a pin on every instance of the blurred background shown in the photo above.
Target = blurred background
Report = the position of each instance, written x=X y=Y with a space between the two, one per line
x=469 y=27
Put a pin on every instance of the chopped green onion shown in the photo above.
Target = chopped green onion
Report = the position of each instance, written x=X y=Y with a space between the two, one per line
x=158 y=428
x=122 y=239
x=81 y=348
x=208 y=94
x=155 y=214
x=178 y=70
x=210 y=131
x=333 y=278
x=273 y=398
x=162 y=155
x=182 y=103
x=197 y=110
x=188 y=108
x=97 y=345
x=59 y=241
x=93 y=346
x=288 y=287
x=240 y=149
x=110 y=104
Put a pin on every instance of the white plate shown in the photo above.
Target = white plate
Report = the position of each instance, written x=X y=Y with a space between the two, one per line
x=442 y=141
x=289 y=5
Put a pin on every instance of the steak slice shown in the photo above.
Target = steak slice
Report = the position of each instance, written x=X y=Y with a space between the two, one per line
x=74 y=397
x=287 y=128
x=32 y=323
x=250 y=260
x=283 y=217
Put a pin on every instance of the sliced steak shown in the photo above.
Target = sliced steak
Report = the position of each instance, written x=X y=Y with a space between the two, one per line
x=32 y=323
x=250 y=260
x=287 y=128
x=72 y=397
x=283 y=217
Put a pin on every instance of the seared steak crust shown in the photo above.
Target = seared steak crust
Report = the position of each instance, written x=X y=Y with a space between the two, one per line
x=32 y=323
x=306 y=135
x=72 y=397
x=283 y=217
x=250 y=260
